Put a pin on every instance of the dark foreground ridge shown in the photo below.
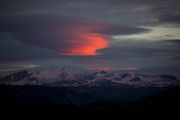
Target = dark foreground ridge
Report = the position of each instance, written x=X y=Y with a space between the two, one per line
x=164 y=103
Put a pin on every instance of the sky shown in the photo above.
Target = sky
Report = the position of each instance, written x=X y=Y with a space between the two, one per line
x=114 y=35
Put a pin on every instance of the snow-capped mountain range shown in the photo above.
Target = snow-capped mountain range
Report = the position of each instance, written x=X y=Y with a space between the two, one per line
x=69 y=77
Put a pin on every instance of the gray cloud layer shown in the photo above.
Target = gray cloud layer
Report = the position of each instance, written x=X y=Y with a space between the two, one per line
x=57 y=32
x=134 y=12
x=40 y=29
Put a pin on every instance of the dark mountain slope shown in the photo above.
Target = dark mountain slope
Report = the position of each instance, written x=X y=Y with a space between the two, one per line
x=165 y=102
x=42 y=94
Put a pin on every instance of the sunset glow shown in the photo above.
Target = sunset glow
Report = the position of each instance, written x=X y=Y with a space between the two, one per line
x=88 y=44
x=111 y=68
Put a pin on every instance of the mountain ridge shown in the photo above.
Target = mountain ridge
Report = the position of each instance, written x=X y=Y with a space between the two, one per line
x=69 y=77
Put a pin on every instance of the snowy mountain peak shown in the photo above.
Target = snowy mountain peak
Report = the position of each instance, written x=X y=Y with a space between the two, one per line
x=100 y=73
x=67 y=70
x=16 y=76
x=128 y=75
x=69 y=77
x=103 y=72
x=55 y=74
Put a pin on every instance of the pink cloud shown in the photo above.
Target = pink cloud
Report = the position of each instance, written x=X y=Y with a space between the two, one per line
x=111 y=68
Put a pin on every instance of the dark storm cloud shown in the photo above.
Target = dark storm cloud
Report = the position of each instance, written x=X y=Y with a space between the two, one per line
x=12 y=50
x=43 y=28
x=122 y=11
x=31 y=22
x=141 y=49
x=168 y=13
x=98 y=2
x=49 y=23
x=139 y=52
x=175 y=41
x=59 y=32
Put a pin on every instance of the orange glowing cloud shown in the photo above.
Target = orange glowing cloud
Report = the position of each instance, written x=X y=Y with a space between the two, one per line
x=83 y=40
x=110 y=68
x=87 y=44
